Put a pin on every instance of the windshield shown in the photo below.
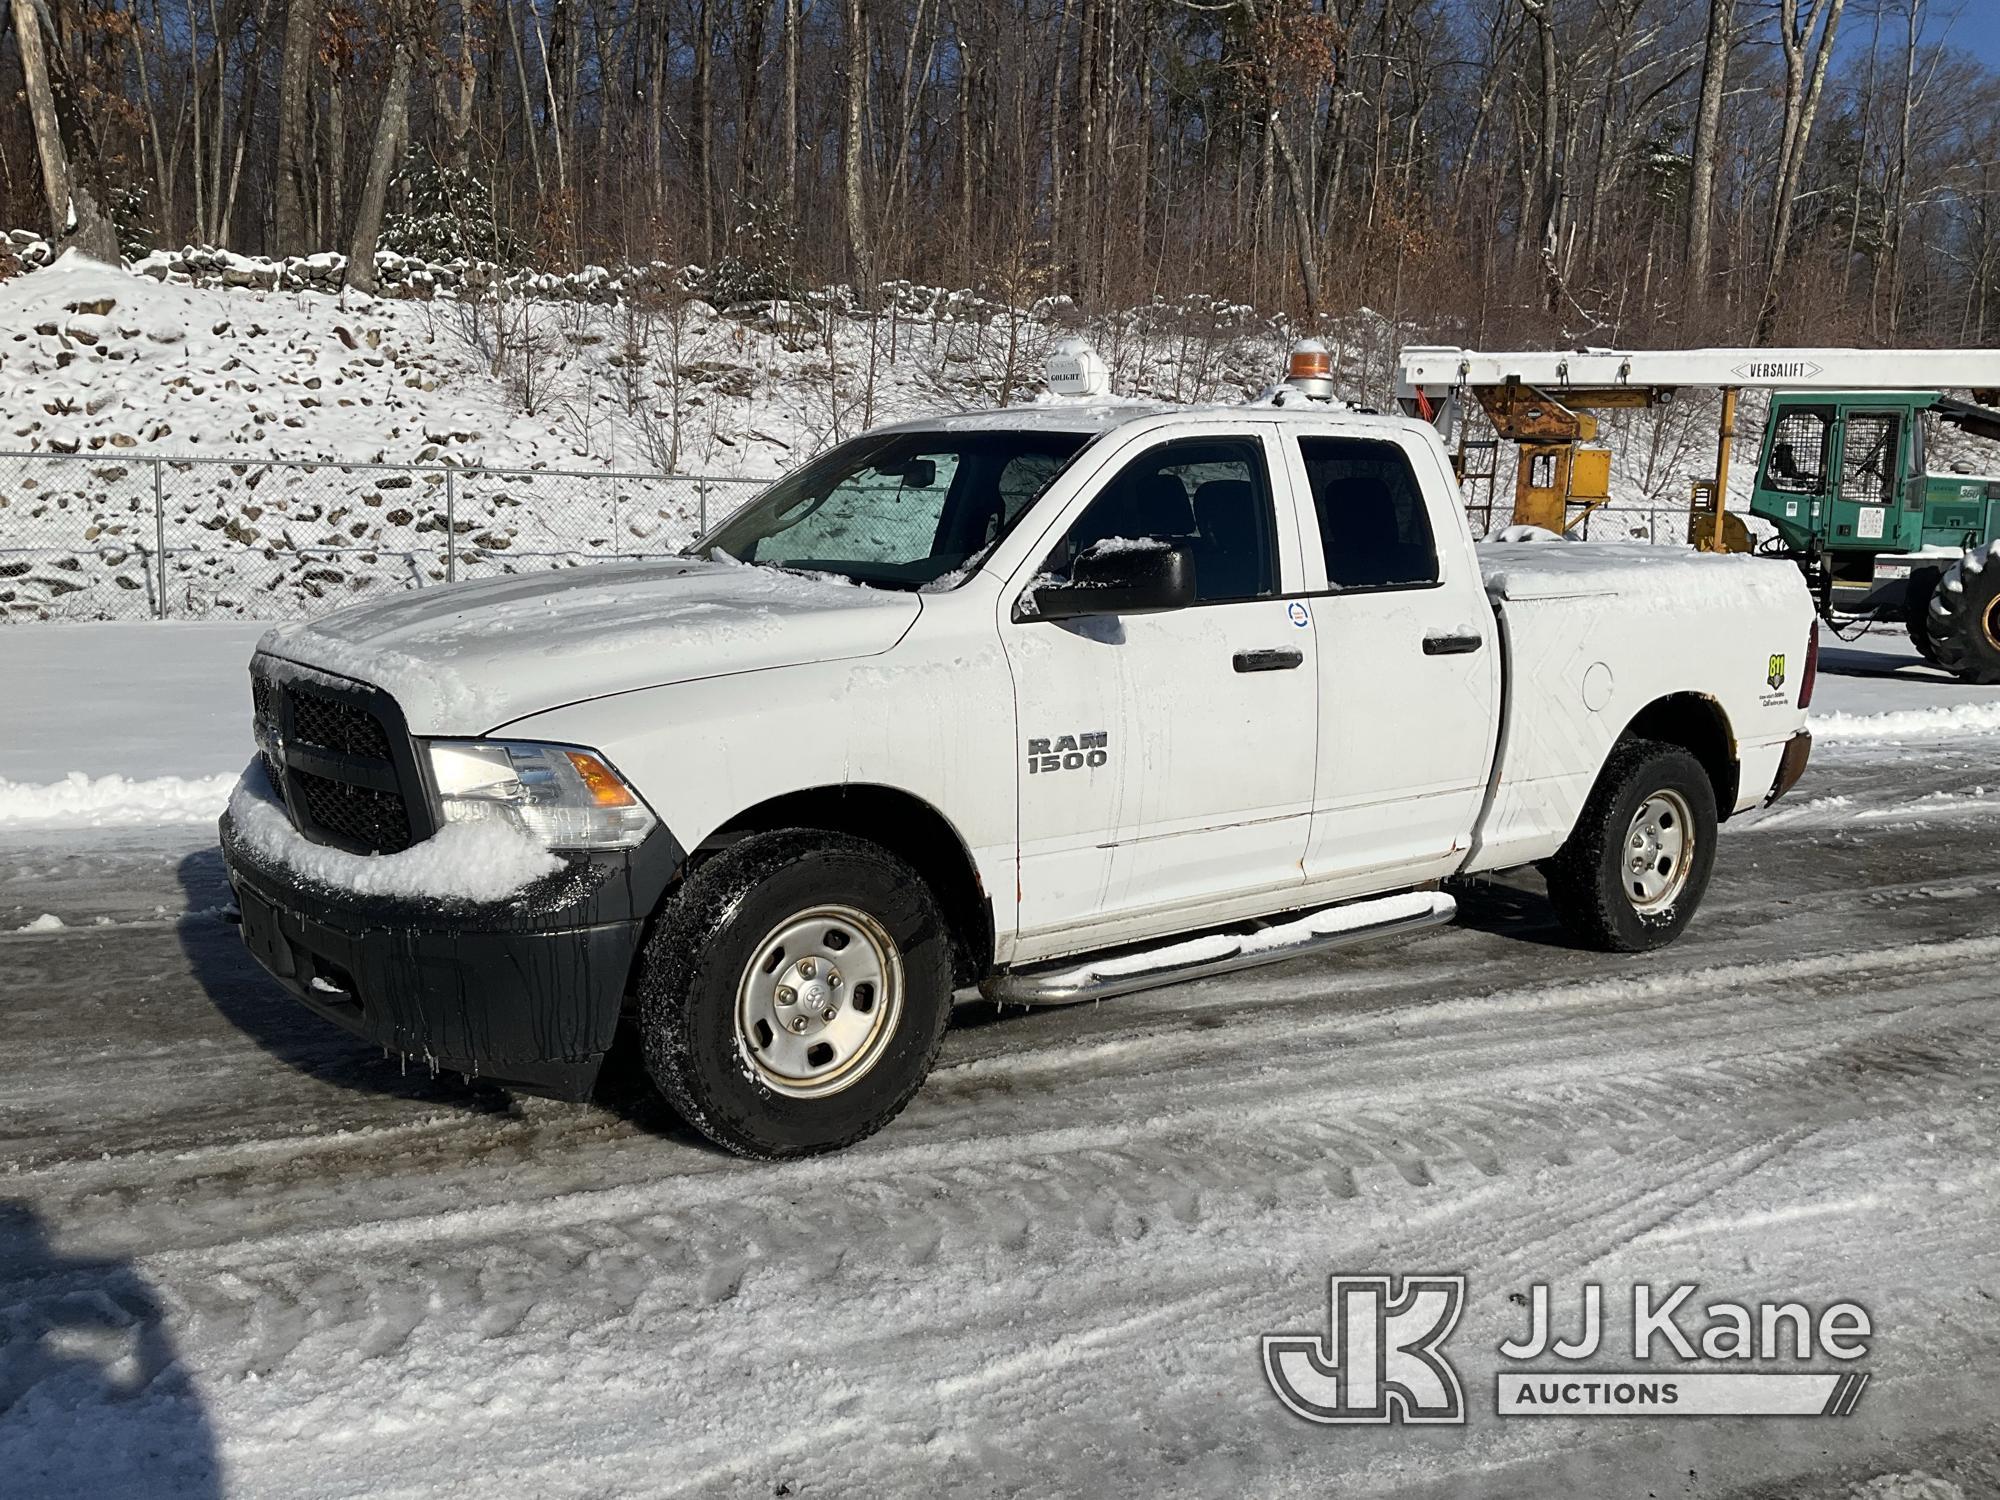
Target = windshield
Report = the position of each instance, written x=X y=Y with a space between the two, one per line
x=897 y=509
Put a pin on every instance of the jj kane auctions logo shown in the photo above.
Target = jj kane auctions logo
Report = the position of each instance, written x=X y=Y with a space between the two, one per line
x=1381 y=1358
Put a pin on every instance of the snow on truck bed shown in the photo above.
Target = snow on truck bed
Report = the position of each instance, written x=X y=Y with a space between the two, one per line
x=1574 y=570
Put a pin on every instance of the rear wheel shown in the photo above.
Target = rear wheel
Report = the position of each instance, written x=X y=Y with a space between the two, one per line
x=1964 y=617
x=794 y=994
x=1636 y=865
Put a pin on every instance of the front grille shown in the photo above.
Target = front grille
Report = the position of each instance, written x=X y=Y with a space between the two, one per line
x=333 y=725
x=339 y=757
x=373 y=821
x=264 y=724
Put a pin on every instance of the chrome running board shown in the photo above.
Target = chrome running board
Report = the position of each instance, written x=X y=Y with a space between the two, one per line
x=1124 y=971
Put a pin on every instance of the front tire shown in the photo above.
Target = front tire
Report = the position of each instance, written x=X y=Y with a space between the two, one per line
x=1964 y=617
x=795 y=992
x=1635 y=867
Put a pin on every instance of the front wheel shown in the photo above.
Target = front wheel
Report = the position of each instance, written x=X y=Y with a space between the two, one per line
x=795 y=992
x=1636 y=865
x=1964 y=617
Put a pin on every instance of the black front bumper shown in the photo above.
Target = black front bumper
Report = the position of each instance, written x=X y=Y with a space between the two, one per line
x=526 y=992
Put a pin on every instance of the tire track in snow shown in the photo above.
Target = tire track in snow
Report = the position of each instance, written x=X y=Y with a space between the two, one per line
x=356 y=1296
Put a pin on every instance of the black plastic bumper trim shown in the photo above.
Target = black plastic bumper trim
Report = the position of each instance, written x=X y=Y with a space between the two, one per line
x=527 y=992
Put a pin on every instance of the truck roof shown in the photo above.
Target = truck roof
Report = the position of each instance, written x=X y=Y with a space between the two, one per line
x=1101 y=416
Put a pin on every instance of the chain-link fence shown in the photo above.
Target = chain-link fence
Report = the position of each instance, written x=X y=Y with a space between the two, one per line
x=117 y=535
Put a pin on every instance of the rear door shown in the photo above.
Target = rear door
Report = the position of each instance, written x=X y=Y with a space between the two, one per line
x=1167 y=760
x=1408 y=659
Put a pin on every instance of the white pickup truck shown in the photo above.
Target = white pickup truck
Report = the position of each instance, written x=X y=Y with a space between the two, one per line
x=1057 y=702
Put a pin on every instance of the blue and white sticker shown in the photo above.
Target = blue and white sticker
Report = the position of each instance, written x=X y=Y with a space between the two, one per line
x=1297 y=612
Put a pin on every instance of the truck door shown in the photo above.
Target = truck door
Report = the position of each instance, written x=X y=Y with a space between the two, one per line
x=1408 y=664
x=1166 y=760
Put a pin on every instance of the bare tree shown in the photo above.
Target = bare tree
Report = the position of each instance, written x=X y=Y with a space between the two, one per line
x=853 y=150
x=292 y=195
x=72 y=175
x=1808 y=47
x=390 y=130
x=1707 y=145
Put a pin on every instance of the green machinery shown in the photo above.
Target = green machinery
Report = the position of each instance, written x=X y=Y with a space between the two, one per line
x=1843 y=479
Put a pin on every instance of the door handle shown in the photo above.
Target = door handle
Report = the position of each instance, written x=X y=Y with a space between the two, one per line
x=1268 y=661
x=1452 y=645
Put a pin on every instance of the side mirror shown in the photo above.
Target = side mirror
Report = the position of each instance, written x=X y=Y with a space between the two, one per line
x=1117 y=577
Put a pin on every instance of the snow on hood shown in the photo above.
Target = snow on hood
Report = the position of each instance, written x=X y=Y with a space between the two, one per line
x=468 y=658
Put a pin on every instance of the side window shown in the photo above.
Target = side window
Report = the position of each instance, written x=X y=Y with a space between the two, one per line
x=1373 y=527
x=1798 y=454
x=1868 y=460
x=1211 y=494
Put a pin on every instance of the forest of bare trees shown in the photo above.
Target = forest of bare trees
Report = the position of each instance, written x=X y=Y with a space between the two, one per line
x=1583 y=170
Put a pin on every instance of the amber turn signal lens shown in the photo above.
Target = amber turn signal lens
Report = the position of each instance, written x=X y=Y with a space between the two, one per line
x=606 y=790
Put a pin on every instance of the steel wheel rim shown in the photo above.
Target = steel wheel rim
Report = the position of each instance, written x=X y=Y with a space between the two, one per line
x=818 y=1002
x=1658 y=852
x=1990 y=623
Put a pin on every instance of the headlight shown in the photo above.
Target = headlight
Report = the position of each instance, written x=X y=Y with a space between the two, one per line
x=561 y=797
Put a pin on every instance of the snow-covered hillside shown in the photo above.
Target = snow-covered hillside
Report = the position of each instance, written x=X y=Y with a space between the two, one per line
x=540 y=395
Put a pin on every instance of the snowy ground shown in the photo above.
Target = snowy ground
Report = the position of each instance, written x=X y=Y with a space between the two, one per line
x=240 y=1254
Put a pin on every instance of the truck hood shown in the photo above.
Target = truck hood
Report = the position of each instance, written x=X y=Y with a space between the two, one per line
x=468 y=658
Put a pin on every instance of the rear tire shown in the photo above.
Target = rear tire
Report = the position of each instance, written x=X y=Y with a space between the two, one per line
x=1639 y=859
x=795 y=992
x=1964 y=617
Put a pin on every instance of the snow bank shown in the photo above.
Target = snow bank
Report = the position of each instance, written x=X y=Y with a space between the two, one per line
x=463 y=862
x=80 y=801
x=1907 y=724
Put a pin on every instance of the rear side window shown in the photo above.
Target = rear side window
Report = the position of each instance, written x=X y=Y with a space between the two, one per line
x=1373 y=528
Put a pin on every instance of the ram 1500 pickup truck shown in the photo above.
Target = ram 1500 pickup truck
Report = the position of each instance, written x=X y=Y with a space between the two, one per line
x=1057 y=702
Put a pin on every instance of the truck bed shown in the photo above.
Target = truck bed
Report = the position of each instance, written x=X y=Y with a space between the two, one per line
x=1691 y=580
x=1594 y=633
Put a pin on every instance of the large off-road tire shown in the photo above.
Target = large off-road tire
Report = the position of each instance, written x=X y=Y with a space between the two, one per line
x=1917 y=611
x=1637 y=862
x=1964 y=619
x=794 y=993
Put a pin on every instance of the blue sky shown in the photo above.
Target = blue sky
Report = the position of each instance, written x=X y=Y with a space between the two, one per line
x=1969 y=25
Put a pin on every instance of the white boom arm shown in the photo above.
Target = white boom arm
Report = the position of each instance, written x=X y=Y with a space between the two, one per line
x=1438 y=371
